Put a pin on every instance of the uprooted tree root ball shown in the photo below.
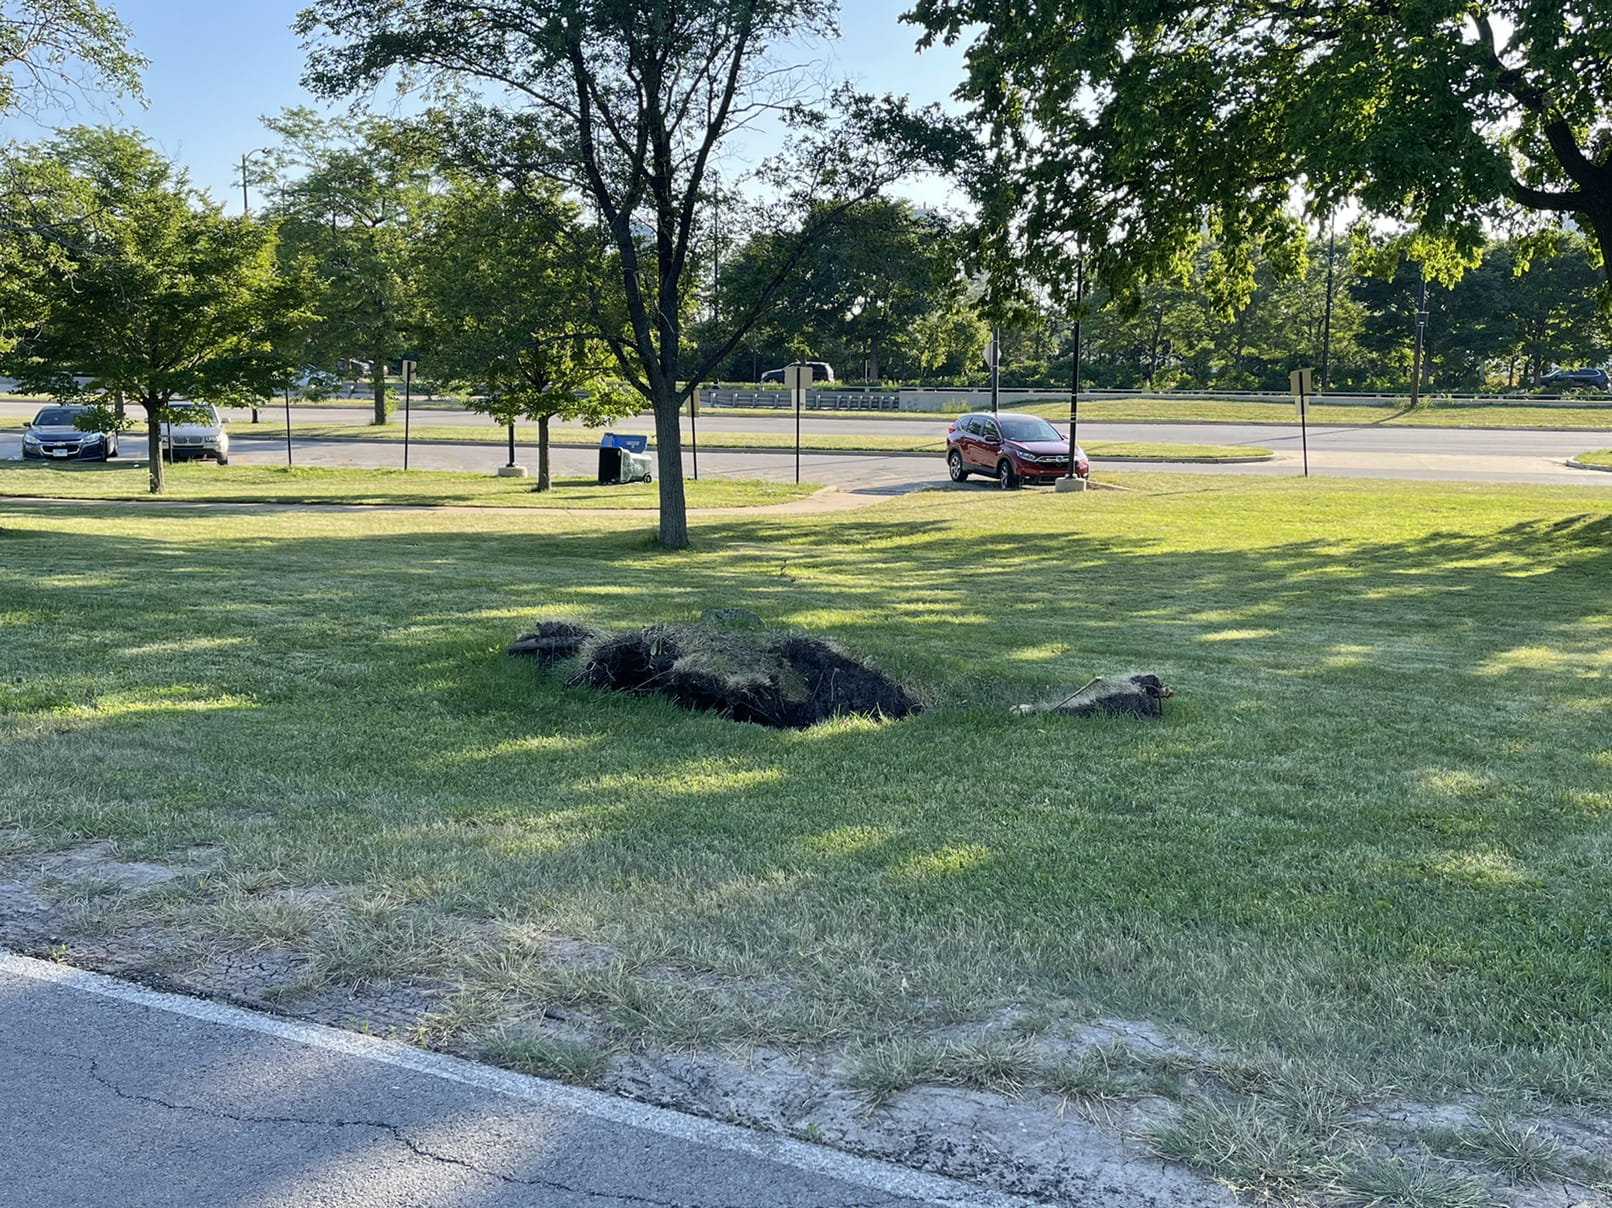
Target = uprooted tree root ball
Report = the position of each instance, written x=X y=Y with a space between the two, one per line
x=1139 y=695
x=786 y=680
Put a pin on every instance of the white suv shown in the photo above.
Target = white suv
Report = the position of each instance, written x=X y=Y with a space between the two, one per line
x=194 y=431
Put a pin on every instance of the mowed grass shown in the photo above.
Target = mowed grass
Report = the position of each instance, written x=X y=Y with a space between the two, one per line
x=815 y=442
x=205 y=482
x=1369 y=845
x=1434 y=414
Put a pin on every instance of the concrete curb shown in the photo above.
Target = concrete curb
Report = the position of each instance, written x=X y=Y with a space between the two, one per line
x=1574 y=463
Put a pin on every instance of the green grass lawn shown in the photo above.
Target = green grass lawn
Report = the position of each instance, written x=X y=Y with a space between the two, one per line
x=1366 y=857
x=810 y=442
x=1598 y=457
x=205 y=482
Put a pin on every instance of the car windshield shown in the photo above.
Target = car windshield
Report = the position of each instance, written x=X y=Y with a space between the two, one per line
x=56 y=417
x=1029 y=429
x=196 y=413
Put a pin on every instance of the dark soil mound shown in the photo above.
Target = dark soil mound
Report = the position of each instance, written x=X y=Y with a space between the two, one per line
x=554 y=642
x=784 y=680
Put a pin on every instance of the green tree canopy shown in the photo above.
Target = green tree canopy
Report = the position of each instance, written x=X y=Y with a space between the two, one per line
x=629 y=105
x=504 y=299
x=1123 y=131
x=152 y=296
x=49 y=48
x=350 y=197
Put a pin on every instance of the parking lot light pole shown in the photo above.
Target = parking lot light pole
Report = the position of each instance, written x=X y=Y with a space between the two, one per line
x=996 y=361
x=1074 y=368
x=1421 y=350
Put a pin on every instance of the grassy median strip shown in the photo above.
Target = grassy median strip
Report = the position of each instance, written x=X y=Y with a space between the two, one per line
x=1364 y=860
x=810 y=442
x=1600 y=457
x=204 y=482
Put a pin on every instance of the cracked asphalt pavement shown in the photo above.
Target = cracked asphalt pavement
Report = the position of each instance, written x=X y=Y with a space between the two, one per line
x=115 y=1096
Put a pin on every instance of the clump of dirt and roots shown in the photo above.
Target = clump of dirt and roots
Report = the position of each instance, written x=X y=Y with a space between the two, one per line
x=744 y=672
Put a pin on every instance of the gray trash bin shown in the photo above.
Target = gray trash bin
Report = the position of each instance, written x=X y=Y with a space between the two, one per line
x=624 y=458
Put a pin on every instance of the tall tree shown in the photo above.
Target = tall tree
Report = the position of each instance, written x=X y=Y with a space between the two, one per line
x=157 y=297
x=1126 y=129
x=350 y=199
x=628 y=104
x=500 y=292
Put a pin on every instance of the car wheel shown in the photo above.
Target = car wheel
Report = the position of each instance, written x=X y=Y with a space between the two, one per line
x=1006 y=476
x=954 y=464
x=649 y=478
x=223 y=460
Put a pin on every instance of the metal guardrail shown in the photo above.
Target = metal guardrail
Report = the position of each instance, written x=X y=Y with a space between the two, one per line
x=873 y=400
x=816 y=400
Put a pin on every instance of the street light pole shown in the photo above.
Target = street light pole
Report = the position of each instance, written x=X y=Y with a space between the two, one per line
x=1074 y=368
x=246 y=209
x=1326 y=320
x=1421 y=330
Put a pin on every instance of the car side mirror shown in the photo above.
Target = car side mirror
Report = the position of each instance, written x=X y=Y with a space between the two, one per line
x=26 y=424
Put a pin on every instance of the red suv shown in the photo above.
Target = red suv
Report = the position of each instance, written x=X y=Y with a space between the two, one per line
x=1010 y=448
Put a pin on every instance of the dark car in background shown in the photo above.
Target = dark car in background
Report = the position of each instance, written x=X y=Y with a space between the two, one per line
x=1575 y=379
x=54 y=435
x=1011 y=448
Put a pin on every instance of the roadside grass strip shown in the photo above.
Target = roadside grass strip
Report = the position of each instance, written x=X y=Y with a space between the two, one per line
x=200 y=482
x=810 y=442
x=1362 y=868
x=1599 y=459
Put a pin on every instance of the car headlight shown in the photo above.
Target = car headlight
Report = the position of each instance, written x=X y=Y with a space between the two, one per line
x=28 y=438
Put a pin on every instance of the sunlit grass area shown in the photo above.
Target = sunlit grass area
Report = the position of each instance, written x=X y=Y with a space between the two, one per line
x=206 y=482
x=1598 y=457
x=919 y=442
x=1369 y=847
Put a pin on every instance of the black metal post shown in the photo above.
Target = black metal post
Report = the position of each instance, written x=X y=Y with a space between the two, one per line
x=1304 y=426
x=406 y=406
x=512 y=442
x=288 y=425
x=800 y=397
x=694 y=431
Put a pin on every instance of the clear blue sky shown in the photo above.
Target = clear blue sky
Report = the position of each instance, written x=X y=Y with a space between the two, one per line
x=217 y=67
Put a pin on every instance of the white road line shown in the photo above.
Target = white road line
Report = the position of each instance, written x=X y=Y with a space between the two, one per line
x=814 y=1159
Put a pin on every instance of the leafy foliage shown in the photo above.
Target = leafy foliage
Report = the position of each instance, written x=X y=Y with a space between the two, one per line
x=504 y=298
x=1121 y=133
x=53 y=47
x=352 y=218
x=149 y=294
x=629 y=105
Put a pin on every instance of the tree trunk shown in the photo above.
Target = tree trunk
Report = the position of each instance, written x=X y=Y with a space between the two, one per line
x=377 y=375
x=543 y=483
x=669 y=462
x=154 y=446
x=873 y=357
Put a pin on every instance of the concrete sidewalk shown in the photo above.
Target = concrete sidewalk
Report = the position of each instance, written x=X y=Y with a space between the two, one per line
x=115 y=1096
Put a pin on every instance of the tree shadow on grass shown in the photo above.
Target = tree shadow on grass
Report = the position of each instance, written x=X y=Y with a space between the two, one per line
x=1377 y=783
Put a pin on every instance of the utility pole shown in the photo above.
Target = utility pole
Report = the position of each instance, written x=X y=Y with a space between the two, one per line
x=1421 y=331
x=1326 y=319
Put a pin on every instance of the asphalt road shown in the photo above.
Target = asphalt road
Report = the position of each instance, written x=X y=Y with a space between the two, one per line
x=114 y=1096
x=1372 y=451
